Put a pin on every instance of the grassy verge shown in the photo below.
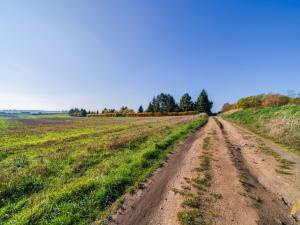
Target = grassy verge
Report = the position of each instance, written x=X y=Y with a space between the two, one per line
x=280 y=124
x=75 y=180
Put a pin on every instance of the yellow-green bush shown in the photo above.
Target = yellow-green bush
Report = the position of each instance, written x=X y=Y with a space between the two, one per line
x=250 y=102
x=272 y=100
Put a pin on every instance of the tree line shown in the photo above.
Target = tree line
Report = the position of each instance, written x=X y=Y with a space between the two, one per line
x=78 y=112
x=166 y=103
x=162 y=103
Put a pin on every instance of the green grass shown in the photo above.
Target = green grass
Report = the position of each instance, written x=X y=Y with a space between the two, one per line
x=191 y=217
x=281 y=124
x=4 y=123
x=70 y=170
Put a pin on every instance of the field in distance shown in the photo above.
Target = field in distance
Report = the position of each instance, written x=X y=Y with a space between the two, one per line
x=64 y=170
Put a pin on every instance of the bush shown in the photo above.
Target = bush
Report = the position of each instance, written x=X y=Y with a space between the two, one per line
x=272 y=100
x=227 y=106
x=250 y=102
x=296 y=101
x=264 y=100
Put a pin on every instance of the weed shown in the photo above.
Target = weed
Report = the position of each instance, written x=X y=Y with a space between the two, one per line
x=204 y=165
x=284 y=164
x=192 y=202
x=206 y=143
x=217 y=196
x=191 y=217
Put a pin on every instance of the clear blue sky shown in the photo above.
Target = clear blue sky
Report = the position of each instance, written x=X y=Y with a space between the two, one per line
x=57 y=54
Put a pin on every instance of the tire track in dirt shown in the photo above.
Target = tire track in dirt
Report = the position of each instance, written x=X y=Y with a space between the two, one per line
x=265 y=160
x=233 y=208
x=156 y=203
x=268 y=207
x=244 y=200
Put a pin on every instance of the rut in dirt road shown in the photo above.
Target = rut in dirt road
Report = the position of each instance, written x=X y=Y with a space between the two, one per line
x=270 y=209
x=156 y=202
x=241 y=198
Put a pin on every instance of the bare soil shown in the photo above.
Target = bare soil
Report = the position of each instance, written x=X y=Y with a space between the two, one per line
x=247 y=181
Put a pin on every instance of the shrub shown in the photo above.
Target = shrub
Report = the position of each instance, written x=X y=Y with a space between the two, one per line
x=264 y=100
x=296 y=101
x=250 y=102
x=272 y=100
x=227 y=106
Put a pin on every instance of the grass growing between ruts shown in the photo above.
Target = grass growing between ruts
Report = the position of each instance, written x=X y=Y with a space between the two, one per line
x=284 y=164
x=195 y=203
x=70 y=170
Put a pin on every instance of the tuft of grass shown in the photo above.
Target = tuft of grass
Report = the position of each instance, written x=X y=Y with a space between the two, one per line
x=191 y=217
x=284 y=172
x=182 y=192
x=204 y=182
x=284 y=164
x=206 y=144
x=193 y=202
x=204 y=165
x=216 y=195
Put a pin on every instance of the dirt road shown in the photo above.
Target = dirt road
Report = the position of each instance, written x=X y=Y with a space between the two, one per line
x=222 y=174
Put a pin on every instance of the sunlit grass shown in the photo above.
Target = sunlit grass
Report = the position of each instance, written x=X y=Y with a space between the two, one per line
x=69 y=170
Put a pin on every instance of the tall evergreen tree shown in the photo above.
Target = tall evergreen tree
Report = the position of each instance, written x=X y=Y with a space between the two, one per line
x=141 y=109
x=78 y=112
x=164 y=103
x=82 y=113
x=203 y=104
x=150 y=107
x=186 y=103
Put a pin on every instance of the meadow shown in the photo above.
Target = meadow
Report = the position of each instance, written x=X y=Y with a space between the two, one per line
x=67 y=170
x=281 y=124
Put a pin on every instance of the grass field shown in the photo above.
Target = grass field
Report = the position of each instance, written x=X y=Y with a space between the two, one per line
x=63 y=170
x=3 y=123
x=281 y=124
